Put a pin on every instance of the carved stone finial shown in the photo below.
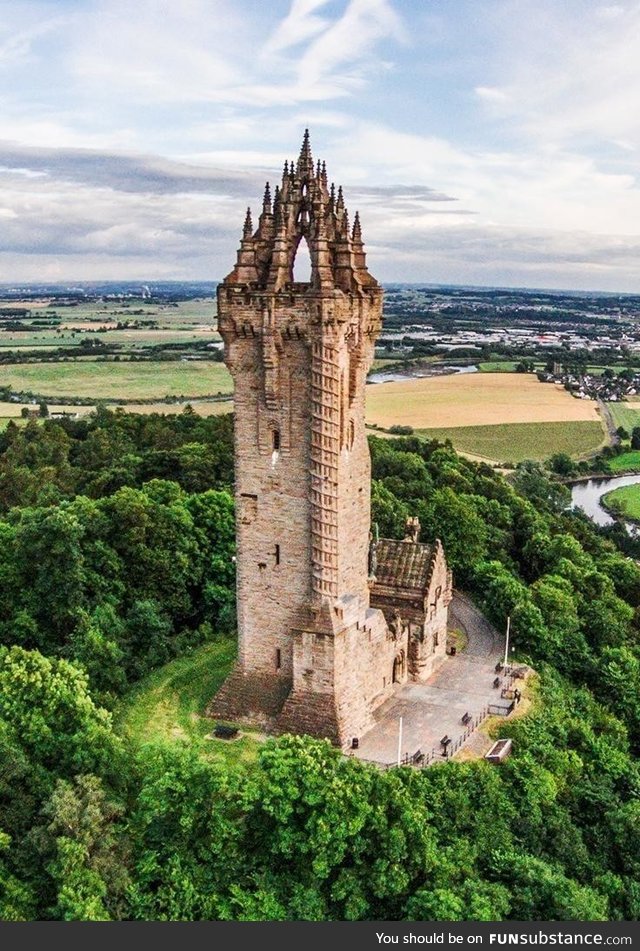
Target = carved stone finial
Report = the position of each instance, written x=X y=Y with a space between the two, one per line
x=357 y=229
x=248 y=225
x=412 y=529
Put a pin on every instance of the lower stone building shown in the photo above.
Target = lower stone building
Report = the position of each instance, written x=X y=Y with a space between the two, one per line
x=352 y=657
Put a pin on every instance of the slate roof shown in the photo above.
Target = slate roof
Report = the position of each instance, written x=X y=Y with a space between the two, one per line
x=403 y=564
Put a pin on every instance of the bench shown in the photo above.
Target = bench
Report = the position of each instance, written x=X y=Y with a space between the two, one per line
x=223 y=732
x=466 y=719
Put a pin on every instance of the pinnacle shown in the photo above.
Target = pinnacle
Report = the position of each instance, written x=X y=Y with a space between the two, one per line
x=357 y=228
x=305 y=150
x=305 y=161
x=266 y=201
x=248 y=226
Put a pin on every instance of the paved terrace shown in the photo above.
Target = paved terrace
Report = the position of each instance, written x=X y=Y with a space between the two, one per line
x=462 y=684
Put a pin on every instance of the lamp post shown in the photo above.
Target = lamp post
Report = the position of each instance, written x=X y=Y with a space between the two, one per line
x=399 y=740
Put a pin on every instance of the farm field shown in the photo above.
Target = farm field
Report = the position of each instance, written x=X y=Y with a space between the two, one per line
x=625 y=414
x=27 y=340
x=509 y=366
x=514 y=442
x=499 y=366
x=202 y=408
x=123 y=380
x=168 y=705
x=474 y=399
x=13 y=411
x=177 y=322
x=624 y=502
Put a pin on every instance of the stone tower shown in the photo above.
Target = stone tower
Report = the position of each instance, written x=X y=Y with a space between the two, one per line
x=310 y=645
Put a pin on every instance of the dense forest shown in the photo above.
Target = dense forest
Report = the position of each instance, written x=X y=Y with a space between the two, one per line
x=116 y=555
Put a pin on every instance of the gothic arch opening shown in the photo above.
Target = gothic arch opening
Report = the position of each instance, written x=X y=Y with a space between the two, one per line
x=301 y=265
x=398 y=668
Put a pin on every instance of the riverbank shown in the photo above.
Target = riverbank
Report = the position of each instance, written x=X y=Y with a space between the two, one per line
x=623 y=503
x=587 y=494
x=576 y=480
x=417 y=371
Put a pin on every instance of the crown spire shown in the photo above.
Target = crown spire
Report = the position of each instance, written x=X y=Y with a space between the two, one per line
x=303 y=204
x=305 y=161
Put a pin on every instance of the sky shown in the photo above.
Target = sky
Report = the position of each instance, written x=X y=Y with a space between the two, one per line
x=491 y=142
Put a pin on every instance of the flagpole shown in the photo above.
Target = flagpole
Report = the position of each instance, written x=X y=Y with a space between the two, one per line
x=506 y=644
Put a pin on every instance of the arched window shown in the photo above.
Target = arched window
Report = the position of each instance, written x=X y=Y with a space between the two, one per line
x=301 y=268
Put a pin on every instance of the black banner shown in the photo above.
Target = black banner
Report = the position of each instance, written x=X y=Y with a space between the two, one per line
x=324 y=936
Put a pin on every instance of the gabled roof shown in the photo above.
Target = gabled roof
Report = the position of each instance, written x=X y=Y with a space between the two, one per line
x=404 y=564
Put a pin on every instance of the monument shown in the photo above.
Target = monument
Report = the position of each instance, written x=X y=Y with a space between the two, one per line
x=329 y=618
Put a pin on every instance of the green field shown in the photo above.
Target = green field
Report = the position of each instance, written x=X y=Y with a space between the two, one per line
x=168 y=705
x=184 y=322
x=514 y=442
x=626 y=462
x=624 y=502
x=625 y=414
x=509 y=366
x=125 y=380
x=498 y=366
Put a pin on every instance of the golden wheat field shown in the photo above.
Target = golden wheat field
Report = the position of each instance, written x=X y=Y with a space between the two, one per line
x=473 y=399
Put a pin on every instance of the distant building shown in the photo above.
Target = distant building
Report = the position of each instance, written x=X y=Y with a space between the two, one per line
x=329 y=620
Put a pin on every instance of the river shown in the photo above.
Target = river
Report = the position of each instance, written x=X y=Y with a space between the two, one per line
x=387 y=375
x=587 y=495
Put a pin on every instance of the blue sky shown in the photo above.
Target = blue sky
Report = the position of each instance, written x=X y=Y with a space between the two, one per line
x=486 y=142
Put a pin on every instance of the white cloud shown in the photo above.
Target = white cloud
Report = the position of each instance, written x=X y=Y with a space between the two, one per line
x=571 y=72
x=151 y=125
x=491 y=94
x=299 y=25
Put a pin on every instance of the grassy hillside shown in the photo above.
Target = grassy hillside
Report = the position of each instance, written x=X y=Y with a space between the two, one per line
x=168 y=706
